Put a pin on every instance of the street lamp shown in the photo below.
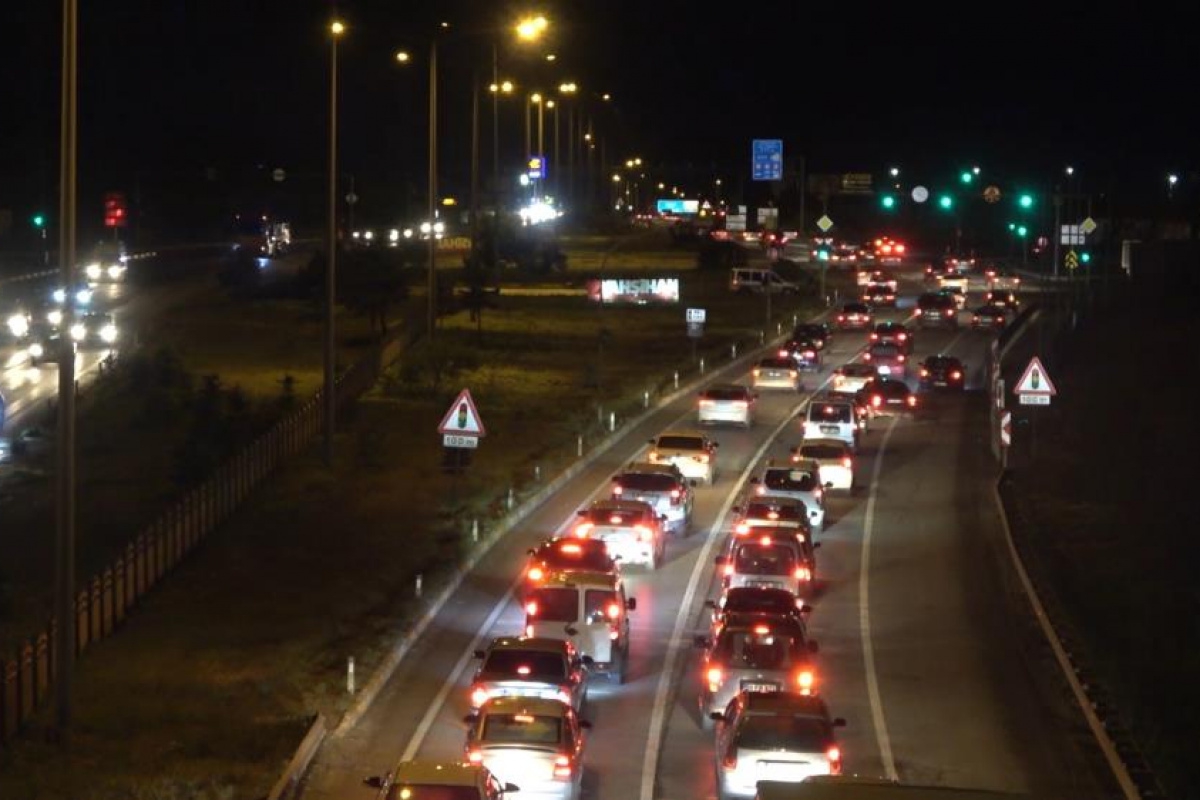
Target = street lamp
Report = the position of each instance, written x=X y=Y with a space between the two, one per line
x=530 y=28
x=1070 y=171
x=336 y=29
x=894 y=172
x=1172 y=179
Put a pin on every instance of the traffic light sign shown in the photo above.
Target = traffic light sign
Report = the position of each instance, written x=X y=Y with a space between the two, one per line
x=945 y=202
x=1084 y=256
x=39 y=220
x=1022 y=231
x=115 y=211
x=887 y=202
x=1025 y=200
x=966 y=176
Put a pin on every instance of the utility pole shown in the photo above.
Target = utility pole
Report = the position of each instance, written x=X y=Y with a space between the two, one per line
x=1057 y=232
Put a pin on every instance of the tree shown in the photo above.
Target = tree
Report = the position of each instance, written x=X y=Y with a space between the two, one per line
x=370 y=282
x=479 y=275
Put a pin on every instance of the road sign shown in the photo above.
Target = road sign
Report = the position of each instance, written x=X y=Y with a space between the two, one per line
x=537 y=167
x=1006 y=428
x=1000 y=394
x=278 y=175
x=992 y=194
x=351 y=198
x=1072 y=259
x=1034 y=399
x=766 y=161
x=1035 y=382
x=1071 y=234
x=455 y=440
x=920 y=194
x=856 y=183
x=695 y=330
x=462 y=418
x=824 y=223
x=1088 y=225
x=696 y=315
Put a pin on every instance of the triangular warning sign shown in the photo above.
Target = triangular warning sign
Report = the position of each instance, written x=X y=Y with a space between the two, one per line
x=462 y=418
x=1035 y=380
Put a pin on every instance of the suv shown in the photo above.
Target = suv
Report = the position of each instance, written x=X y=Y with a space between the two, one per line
x=663 y=487
x=834 y=458
x=937 y=309
x=889 y=359
x=514 y=666
x=893 y=333
x=850 y=377
x=783 y=737
x=854 y=316
x=832 y=418
x=758 y=280
x=943 y=371
x=754 y=653
x=815 y=332
x=590 y=610
x=631 y=530
x=779 y=559
x=801 y=481
x=694 y=453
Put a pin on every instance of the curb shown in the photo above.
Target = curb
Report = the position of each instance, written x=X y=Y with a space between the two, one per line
x=285 y=787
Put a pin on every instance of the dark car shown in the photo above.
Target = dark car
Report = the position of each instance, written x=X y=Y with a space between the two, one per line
x=854 y=316
x=804 y=354
x=567 y=554
x=888 y=359
x=1001 y=298
x=989 y=317
x=815 y=332
x=935 y=309
x=942 y=372
x=887 y=396
x=879 y=295
x=896 y=333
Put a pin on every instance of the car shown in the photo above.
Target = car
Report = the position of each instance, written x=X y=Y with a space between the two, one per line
x=758 y=513
x=850 y=377
x=955 y=293
x=663 y=487
x=693 y=453
x=889 y=359
x=887 y=396
x=726 y=403
x=517 y=666
x=815 y=332
x=1001 y=280
x=935 y=272
x=958 y=265
x=108 y=263
x=854 y=316
x=747 y=280
x=449 y=780
x=755 y=600
x=632 y=530
x=879 y=295
x=591 y=610
x=896 y=333
x=943 y=372
x=768 y=559
x=1002 y=298
x=833 y=456
x=538 y=742
x=995 y=317
x=567 y=554
x=800 y=480
x=804 y=354
x=845 y=252
x=953 y=280
x=779 y=372
x=17 y=322
x=754 y=652
x=43 y=342
x=832 y=417
x=934 y=309
x=80 y=295
x=889 y=251
x=782 y=736
x=94 y=329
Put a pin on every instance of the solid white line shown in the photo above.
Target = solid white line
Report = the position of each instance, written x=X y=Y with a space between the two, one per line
x=864 y=616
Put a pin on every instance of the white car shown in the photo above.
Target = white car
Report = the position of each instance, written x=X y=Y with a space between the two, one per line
x=834 y=458
x=631 y=529
x=776 y=373
x=726 y=403
x=537 y=742
x=850 y=377
x=832 y=418
x=800 y=480
x=693 y=453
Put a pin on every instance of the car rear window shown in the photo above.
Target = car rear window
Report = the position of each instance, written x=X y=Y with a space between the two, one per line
x=521 y=729
x=775 y=363
x=553 y=604
x=827 y=412
x=615 y=517
x=773 y=601
x=790 y=480
x=680 y=443
x=578 y=554
x=784 y=732
x=755 y=558
x=857 y=370
x=823 y=452
x=744 y=649
x=725 y=393
x=883 y=288
x=762 y=510
x=647 y=482
x=435 y=791
x=934 y=301
x=600 y=601
x=856 y=308
x=526 y=663
x=884 y=351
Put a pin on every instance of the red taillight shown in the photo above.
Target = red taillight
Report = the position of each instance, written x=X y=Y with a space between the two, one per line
x=618 y=489
x=901 y=337
x=643 y=533
x=803 y=574
x=956 y=375
x=805 y=681
x=728 y=570
x=741 y=530
x=847 y=462
x=949 y=312
x=531 y=608
x=613 y=610
x=714 y=676
x=841 y=317
x=876 y=401
x=535 y=574
x=756 y=372
x=562 y=767
x=479 y=696
x=874 y=337
x=912 y=401
x=676 y=497
x=760 y=489
x=899 y=248
x=901 y=357
x=835 y=760
x=583 y=529
x=920 y=311
x=730 y=759
x=924 y=372
x=866 y=356
x=475 y=756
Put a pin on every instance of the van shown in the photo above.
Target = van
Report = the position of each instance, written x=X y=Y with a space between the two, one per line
x=588 y=609
x=758 y=280
x=831 y=418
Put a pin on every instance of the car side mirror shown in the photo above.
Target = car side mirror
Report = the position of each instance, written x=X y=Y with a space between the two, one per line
x=650 y=441
x=631 y=604
x=839 y=722
x=480 y=653
x=470 y=719
x=716 y=444
x=736 y=509
x=581 y=512
x=805 y=608
x=585 y=724
x=693 y=483
x=570 y=630
x=511 y=787
x=816 y=545
x=711 y=604
x=700 y=641
x=721 y=561
x=813 y=647
x=375 y=781
x=829 y=484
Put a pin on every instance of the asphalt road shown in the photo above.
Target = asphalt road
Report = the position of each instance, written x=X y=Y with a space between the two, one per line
x=917 y=645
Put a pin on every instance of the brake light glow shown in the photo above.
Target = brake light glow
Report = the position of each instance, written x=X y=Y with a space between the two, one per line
x=924 y=372
x=535 y=574
x=562 y=767
x=876 y=400
x=570 y=547
x=900 y=337
x=728 y=570
x=756 y=372
x=784 y=354
x=956 y=375
x=803 y=574
x=809 y=354
x=742 y=529
x=714 y=678
x=866 y=356
x=805 y=681
x=835 y=760
x=618 y=489
x=920 y=311
x=531 y=608
x=949 y=312
x=523 y=670
x=583 y=529
x=765 y=541
x=912 y=400
x=901 y=358
x=846 y=462
x=772 y=515
x=874 y=337
x=676 y=494
x=760 y=489
x=479 y=696
x=899 y=248
x=613 y=610
x=475 y=756
x=529 y=630
x=564 y=694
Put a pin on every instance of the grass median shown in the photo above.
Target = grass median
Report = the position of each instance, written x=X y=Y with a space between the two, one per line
x=208 y=687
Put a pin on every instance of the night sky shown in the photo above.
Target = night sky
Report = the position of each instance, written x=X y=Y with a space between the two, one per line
x=176 y=87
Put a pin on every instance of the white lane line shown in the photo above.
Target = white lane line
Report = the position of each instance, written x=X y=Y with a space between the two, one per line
x=864 y=616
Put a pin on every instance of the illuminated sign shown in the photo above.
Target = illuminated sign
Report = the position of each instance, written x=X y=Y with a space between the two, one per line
x=634 y=291
x=670 y=206
x=537 y=167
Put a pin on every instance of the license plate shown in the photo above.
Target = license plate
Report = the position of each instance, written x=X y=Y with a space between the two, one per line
x=760 y=687
x=829 y=429
x=764 y=585
x=939 y=383
x=885 y=370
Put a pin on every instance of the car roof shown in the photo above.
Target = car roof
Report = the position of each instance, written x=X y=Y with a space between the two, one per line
x=774 y=500
x=799 y=465
x=443 y=773
x=644 y=467
x=726 y=387
x=683 y=433
x=790 y=702
x=737 y=620
x=527 y=705
x=544 y=644
x=622 y=506
x=587 y=579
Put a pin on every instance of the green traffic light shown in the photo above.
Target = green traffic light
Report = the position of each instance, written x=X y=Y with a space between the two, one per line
x=39 y=220
x=966 y=177
x=1025 y=201
x=1085 y=256
x=946 y=202
x=888 y=201
x=1012 y=226
x=1021 y=231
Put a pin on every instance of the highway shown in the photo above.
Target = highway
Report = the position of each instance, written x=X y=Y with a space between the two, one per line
x=918 y=647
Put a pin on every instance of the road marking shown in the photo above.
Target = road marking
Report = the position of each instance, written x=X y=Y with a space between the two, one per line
x=864 y=615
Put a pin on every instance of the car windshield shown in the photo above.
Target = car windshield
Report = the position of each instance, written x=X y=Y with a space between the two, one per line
x=747 y=649
x=771 y=601
x=760 y=509
x=521 y=729
x=647 y=482
x=822 y=452
x=784 y=732
x=791 y=480
x=725 y=393
x=554 y=605
x=680 y=443
x=435 y=791
x=756 y=558
x=524 y=663
x=827 y=412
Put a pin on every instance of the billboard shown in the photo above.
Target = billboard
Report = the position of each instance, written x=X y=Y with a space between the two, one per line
x=675 y=206
x=634 y=291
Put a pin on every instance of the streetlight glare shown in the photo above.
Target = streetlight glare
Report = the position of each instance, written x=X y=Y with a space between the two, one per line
x=616 y=178
x=606 y=97
x=1070 y=171
x=403 y=57
x=567 y=88
x=337 y=27
x=894 y=171
x=535 y=98
x=1172 y=179
x=531 y=28
x=549 y=104
x=551 y=57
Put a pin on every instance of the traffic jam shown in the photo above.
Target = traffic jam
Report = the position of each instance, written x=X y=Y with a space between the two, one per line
x=761 y=689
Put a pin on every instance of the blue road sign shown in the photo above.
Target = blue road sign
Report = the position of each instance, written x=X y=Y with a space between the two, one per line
x=766 y=161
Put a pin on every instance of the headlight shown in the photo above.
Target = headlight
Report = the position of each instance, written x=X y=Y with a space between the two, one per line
x=93 y=272
x=18 y=325
x=78 y=332
x=109 y=333
x=54 y=317
x=60 y=295
x=115 y=271
x=83 y=297
x=36 y=350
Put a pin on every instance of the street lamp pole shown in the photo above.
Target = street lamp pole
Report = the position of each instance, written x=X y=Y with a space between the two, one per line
x=64 y=605
x=335 y=29
x=474 y=159
x=557 y=164
x=432 y=287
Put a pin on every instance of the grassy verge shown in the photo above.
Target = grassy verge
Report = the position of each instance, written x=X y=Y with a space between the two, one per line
x=251 y=635
x=1115 y=530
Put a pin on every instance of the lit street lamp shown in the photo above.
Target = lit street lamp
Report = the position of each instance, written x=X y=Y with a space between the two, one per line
x=1172 y=179
x=336 y=29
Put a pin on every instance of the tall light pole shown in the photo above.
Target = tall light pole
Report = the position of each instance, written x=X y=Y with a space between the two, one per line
x=336 y=29
x=64 y=603
x=553 y=106
x=432 y=207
